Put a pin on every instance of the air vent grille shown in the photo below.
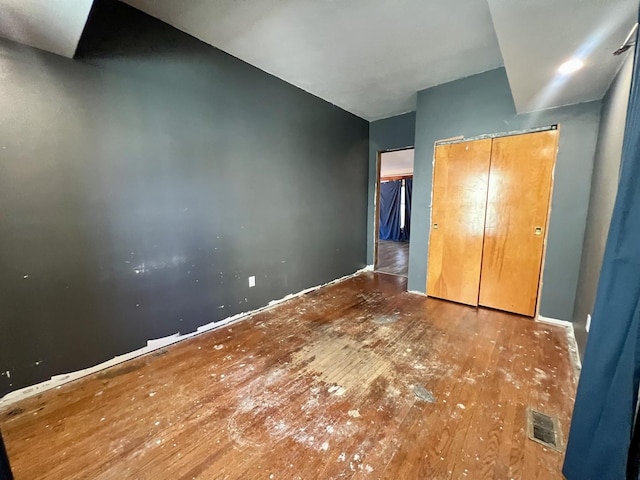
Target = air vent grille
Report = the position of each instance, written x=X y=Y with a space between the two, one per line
x=544 y=429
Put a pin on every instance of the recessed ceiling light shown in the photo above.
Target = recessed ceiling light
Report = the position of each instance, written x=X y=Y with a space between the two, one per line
x=571 y=66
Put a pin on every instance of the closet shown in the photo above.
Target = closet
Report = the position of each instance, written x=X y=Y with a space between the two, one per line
x=489 y=219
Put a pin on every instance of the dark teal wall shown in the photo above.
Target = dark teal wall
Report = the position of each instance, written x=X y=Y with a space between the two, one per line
x=604 y=187
x=144 y=182
x=388 y=134
x=482 y=104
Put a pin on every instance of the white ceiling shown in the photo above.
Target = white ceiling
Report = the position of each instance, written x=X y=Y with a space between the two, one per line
x=52 y=25
x=538 y=36
x=370 y=57
x=398 y=162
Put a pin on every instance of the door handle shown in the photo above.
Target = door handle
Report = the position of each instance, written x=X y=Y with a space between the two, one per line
x=538 y=231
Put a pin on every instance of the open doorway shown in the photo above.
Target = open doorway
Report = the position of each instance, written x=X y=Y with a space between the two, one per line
x=393 y=211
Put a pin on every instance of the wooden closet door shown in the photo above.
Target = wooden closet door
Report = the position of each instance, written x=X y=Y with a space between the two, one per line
x=517 y=209
x=460 y=182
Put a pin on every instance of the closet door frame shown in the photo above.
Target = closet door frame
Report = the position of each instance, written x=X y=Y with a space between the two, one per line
x=461 y=139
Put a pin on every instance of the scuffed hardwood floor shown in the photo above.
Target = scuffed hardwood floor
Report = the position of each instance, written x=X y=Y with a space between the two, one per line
x=319 y=387
x=393 y=257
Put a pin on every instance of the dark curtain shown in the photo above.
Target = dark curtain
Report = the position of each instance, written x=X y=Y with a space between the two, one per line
x=600 y=441
x=390 y=210
x=5 y=471
x=408 y=188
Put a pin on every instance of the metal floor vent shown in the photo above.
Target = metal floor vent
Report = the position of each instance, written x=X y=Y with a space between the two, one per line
x=544 y=429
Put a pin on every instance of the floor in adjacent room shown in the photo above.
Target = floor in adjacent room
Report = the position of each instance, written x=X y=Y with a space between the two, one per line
x=321 y=386
x=393 y=257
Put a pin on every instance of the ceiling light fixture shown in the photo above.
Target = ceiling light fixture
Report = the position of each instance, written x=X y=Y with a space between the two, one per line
x=571 y=66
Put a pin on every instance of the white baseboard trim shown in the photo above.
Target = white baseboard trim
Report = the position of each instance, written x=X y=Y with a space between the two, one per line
x=554 y=321
x=155 y=344
x=571 y=341
x=416 y=292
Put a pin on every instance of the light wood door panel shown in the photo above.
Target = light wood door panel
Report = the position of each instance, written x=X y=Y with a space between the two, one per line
x=517 y=205
x=460 y=182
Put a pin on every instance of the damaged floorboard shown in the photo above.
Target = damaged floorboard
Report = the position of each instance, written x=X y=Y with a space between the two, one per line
x=321 y=386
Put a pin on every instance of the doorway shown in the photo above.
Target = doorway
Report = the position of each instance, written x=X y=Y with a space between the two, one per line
x=394 y=190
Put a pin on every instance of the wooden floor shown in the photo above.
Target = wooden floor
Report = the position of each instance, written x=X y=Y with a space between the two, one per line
x=319 y=387
x=393 y=257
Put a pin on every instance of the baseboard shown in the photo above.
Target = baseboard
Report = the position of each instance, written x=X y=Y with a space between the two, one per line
x=155 y=344
x=554 y=321
x=416 y=292
x=572 y=344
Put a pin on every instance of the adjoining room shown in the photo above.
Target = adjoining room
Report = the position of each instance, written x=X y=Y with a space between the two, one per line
x=394 y=212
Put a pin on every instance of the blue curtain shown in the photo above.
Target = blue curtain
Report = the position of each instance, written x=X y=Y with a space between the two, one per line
x=390 y=210
x=600 y=441
x=408 y=189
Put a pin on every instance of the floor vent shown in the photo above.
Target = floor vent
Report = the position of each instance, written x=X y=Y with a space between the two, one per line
x=544 y=429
